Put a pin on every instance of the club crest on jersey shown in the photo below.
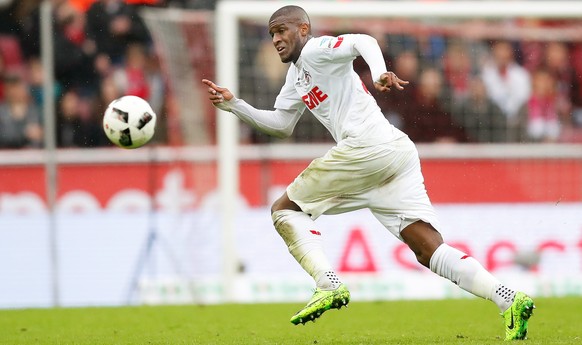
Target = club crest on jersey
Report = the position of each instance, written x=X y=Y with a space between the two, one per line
x=304 y=79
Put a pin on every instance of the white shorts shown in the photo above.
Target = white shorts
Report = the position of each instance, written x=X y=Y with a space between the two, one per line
x=384 y=178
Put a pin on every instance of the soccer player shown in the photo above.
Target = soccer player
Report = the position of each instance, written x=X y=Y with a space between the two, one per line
x=374 y=165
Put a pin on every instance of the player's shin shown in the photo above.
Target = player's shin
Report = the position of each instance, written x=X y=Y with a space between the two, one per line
x=306 y=245
x=470 y=275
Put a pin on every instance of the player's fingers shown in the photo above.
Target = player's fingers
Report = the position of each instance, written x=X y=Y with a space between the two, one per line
x=215 y=96
x=399 y=83
x=382 y=88
x=217 y=99
x=212 y=85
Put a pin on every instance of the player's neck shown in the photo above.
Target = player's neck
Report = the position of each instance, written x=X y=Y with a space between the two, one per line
x=303 y=43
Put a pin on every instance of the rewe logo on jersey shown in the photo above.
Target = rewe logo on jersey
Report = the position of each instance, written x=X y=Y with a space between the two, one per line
x=314 y=97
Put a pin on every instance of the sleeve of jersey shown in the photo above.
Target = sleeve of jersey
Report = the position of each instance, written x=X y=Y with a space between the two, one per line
x=368 y=48
x=353 y=45
x=279 y=122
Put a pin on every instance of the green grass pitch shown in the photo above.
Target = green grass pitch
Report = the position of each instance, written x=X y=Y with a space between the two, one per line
x=464 y=321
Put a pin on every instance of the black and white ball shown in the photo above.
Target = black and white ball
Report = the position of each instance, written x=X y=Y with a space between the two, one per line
x=129 y=122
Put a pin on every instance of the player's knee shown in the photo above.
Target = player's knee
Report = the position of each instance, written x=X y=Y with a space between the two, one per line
x=423 y=239
x=423 y=258
x=284 y=203
x=276 y=206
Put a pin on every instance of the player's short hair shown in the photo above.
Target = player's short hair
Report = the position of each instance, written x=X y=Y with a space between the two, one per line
x=292 y=12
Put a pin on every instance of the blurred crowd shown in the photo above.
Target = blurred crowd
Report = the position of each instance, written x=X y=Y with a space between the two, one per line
x=478 y=90
x=102 y=50
x=486 y=91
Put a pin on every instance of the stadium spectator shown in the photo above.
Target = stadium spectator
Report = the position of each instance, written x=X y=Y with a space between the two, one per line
x=77 y=124
x=483 y=120
x=108 y=92
x=112 y=25
x=157 y=83
x=507 y=83
x=399 y=43
x=36 y=78
x=11 y=12
x=431 y=48
x=557 y=63
x=425 y=118
x=457 y=71
x=131 y=77
x=74 y=54
x=2 y=70
x=406 y=65
x=140 y=76
x=531 y=52
x=573 y=133
x=20 y=119
x=543 y=120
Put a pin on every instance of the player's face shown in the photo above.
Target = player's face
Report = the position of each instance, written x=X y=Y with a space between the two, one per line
x=288 y=38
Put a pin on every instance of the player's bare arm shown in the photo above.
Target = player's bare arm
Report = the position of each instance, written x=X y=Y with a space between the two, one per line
x=388 y=80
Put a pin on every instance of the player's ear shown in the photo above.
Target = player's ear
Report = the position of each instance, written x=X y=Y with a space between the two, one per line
x=304 y=28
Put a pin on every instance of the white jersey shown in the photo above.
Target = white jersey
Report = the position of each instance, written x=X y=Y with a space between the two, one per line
x=323 y=80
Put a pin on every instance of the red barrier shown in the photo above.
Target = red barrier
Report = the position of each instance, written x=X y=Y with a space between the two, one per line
x=447 y=180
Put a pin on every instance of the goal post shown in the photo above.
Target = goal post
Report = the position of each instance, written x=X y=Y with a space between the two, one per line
x=226 y=33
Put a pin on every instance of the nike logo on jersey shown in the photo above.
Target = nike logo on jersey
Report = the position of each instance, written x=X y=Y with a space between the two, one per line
x=314 y=98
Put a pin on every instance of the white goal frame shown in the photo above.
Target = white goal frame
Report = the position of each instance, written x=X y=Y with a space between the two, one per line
x=230 y=12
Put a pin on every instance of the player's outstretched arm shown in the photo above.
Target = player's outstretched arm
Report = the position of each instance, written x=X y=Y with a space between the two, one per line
x=279 y=122
x=388 y=80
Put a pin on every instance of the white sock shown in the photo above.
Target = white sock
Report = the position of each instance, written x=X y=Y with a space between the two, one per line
x=306 y=245
x=469 y=275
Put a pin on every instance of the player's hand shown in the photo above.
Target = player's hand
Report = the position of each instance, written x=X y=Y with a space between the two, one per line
x=217 y=94
x=389 y=80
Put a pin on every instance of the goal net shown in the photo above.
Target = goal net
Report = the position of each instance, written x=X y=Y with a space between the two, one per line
x=508 y=156
x=183 y=41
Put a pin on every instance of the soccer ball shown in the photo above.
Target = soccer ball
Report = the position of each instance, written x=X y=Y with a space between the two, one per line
x=129 y=122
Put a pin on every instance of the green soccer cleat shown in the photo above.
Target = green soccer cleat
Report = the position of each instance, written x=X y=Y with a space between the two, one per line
x=516 y=317
x=322 y=301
